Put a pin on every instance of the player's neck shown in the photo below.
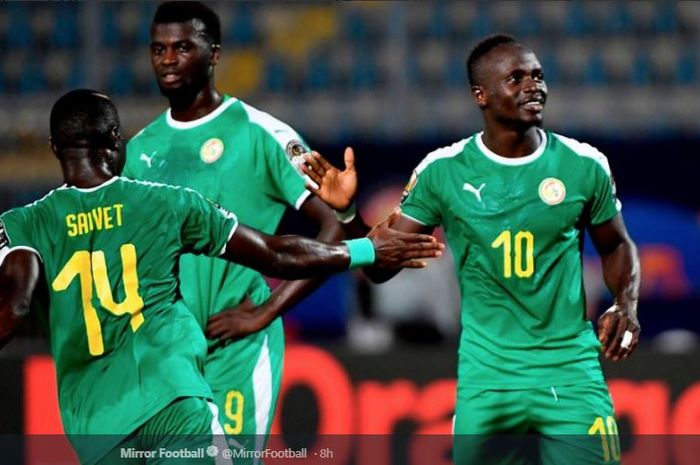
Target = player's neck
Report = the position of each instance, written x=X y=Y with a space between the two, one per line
x=80 y=169
x=511 y=143
x=194 y=106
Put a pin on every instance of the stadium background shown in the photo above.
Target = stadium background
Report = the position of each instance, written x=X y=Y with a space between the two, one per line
x=388 y=78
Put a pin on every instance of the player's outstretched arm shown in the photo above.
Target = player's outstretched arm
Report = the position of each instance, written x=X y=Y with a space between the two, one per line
x=247 y=318
x=19 y=274
x=618 y=327
x=338 y=189
x=297 y=257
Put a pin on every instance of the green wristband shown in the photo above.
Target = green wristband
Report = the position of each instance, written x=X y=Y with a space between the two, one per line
x=361 y=252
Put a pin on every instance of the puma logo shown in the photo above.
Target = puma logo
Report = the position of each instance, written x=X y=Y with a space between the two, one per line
x=474 y=190
x=147 y=159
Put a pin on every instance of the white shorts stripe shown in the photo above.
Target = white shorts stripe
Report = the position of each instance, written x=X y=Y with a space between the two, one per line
x=262 y=388
x=218 y=438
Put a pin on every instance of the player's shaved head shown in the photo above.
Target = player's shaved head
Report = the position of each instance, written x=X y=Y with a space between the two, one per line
x=182 y=12
x=481 y=50
x=84 y=118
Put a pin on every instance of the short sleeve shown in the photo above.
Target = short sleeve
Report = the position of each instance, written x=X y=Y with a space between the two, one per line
x=280 y=151
x=418 y=202
x=132 y=154
x=16 y=231
x=206 y=227
x=604 y=204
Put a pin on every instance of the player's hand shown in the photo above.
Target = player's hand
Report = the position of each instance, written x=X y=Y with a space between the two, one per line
x=397 y=249
x=336 y=188
x=618 y=332
x=237 y=322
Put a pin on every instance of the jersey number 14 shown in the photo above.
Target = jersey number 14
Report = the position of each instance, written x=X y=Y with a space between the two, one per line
x=523 y=261
x=91 y=268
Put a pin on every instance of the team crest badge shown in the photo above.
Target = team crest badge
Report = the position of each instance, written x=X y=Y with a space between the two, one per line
x=411 y=184
x=211 y=150
x=552 y=191
x=295 y=149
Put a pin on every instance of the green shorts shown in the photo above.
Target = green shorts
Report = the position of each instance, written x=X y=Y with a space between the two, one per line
x=187 y=431
x=572 y=424
x=245 y=377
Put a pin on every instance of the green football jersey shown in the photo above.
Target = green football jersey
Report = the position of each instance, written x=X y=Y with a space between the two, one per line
x=239 y=157
x=123 y=344
x=515 y=227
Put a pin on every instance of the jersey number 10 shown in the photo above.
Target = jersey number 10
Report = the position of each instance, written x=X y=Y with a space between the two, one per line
x=523 y=263
x=91 y=268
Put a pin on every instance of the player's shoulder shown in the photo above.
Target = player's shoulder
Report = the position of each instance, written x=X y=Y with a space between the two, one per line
x=269 y=125
x=42 y=208
x=149 y=186
x=436 y=158
x=154 y=127
x=582 y=150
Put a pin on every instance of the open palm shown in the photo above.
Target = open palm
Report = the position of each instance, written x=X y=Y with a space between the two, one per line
x=336 y=188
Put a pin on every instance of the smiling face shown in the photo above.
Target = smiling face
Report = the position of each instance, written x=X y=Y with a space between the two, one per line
x=510 y=86
x=183 y=59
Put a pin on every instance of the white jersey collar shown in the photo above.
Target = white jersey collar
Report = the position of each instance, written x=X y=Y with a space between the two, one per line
x=91 y=189
x=199 y=121
x=513 y=161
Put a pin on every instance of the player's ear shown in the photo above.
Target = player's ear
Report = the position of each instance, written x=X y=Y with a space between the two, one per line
x=54 y=149
x=479 y=95
x=215 y=54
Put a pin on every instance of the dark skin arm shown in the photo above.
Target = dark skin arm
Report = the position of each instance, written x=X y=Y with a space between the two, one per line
x=19 y=274
x=621 y=272
x=293 y=257
x=230 y=324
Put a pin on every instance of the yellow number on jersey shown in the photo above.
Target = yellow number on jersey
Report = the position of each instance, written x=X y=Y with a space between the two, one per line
x=524 y=268
x=609 y=438
x=234 y=414
x=91 y=268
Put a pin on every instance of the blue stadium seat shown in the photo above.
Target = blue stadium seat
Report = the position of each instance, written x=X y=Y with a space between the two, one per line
x=65 y=33
x=619 y=21
x=456 y=72
x=482 y=24
x=576 y=22
x=594 y=74
x=319 y=72
x=529 y=23
x=242 y=29
x=641 y=71
x=666 y=17
x=108 y=24
x=364 y=72
x=549 y=66
x=355 y=26
x=143 y=33
x=686 y=72
x=32 y=80
x=437 y=27
x=121 y=79
x=276 y=74
x=76 y=78
x=19 y=32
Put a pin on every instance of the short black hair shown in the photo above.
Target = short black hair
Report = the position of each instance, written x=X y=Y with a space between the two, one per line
x=481 y=49
x=182 y=12
x=83 y=118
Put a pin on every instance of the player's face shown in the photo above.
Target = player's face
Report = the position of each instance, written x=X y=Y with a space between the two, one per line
x=513 y=84
x=183 y=60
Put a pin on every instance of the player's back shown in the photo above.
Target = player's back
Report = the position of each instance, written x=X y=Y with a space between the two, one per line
x=124 y=345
